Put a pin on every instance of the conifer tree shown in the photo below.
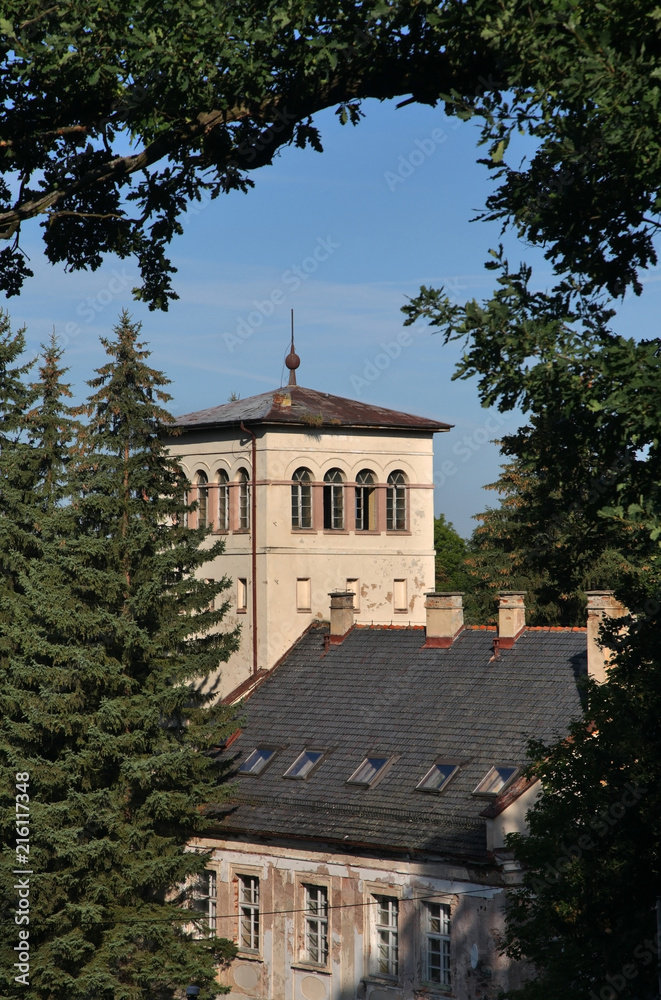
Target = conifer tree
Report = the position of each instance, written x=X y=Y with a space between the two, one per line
x=104 y=705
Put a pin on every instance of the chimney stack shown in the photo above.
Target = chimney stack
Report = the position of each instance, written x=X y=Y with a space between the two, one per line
x=341 y=614
x=511 y=617
x=602 y=604
x=445 y=618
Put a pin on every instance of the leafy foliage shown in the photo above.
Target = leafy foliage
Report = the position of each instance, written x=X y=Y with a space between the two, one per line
x=107 y=636
x=118 y=114
x=450 y=556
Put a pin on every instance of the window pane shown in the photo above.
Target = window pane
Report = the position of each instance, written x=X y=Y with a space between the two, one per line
x=437 y=777
x=368 y=770
x=256 y=762
x=495 y=780
x=304 y=764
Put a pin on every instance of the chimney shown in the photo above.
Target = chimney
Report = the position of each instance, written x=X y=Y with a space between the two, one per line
x=602 y=604
x=341 y=614
x=445 y=618
x=511 y=617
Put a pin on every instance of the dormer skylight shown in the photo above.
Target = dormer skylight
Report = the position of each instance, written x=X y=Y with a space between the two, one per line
x=304 y=764
x=496 y=780
x=256 y=762
x=368 y=772
x=437 y=778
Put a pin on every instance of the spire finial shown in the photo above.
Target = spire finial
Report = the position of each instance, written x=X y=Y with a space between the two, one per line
x=292 y=360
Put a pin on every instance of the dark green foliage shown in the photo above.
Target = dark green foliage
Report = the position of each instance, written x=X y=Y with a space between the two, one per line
x=107 y=635
x=210 y=91
x=585 y=915
x=450 y=556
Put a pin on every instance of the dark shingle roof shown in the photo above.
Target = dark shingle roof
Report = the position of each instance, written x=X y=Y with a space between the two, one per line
x=380 y=692
x=307 y=407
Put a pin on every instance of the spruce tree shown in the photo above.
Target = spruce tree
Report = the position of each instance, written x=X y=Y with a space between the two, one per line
x=110 y=639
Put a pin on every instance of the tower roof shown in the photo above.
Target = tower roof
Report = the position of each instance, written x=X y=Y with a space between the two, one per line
x=296 y=405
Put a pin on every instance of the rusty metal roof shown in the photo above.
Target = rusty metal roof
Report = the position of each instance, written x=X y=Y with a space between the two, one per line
x=296 y=405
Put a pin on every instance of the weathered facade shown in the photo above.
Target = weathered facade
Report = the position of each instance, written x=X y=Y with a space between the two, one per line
x=311 y=493
x=379 y=771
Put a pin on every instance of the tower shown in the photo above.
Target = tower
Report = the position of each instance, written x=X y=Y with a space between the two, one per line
x=312 y=493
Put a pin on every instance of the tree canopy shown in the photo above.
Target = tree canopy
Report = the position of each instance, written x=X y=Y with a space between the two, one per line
x=118 y=114
x=107 y=734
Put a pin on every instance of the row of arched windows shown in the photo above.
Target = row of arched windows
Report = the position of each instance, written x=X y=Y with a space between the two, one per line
x=335 y=495
x=220 y=517
x=214 y=507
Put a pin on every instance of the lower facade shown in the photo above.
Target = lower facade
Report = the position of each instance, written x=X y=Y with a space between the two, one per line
x=322 y=925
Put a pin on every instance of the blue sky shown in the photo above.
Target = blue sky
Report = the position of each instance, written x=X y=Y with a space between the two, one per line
x=342 y=238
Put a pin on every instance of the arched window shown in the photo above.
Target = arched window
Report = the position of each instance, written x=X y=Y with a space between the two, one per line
x=365 y=501
x=244 y=499
x=334 y=499
x=223 y=501
x=396 y=501
x=301 y=499
x=202 y=499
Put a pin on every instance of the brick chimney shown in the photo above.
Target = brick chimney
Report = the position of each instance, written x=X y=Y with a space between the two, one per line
x=445 y=618
x=341 y=614
x=511 y=617
x=602 y=604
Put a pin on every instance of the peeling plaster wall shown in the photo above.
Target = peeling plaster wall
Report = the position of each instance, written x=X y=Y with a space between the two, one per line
x=327 y=558
x=279 y=972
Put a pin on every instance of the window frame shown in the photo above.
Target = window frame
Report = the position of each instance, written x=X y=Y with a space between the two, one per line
x=310 y=771
x=334 y=500
x=444 y=939
x=243 y=505
x=389 y=760
x=252 y=911
x=440 y=761
x=390 y=931
x=223 y=501
x=365 y=501
x=320 y=921
x=205 y=903
x=301 y=500
x=202 y=488
x=506 y=784
x=256 y=774
x=397 y=499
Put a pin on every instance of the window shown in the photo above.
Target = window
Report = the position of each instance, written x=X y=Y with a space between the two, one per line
x=301 y=499
x=244 y=500
x=304 y=764
x=438 y=777
x=204 y=901
x=396 y=501
x=248 y=913
x=303 y=594
x=365 y=501
x=353 y=585
x=437 y=943
x=369 y=771
x=385 y=961
x=202 y=499
x=399 y=595
x=223 y=501
x=333 y=500
x=496 y=780
x=256 y=762
x=242 y=594
x=315 y=948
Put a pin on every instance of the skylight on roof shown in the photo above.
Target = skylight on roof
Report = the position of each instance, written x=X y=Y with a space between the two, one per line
x=496 y=780
x=437 y=777
x=256 y=762
x=304 y=764
x=369 y=771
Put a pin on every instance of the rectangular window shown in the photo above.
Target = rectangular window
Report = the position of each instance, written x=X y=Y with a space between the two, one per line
x=353 y=585
x=385 y=959
x=242 y=594
x=399 y=595
x=248 y=913
x=303 y=594
x=316 y=924
x=204 y=902
x=437 y=943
